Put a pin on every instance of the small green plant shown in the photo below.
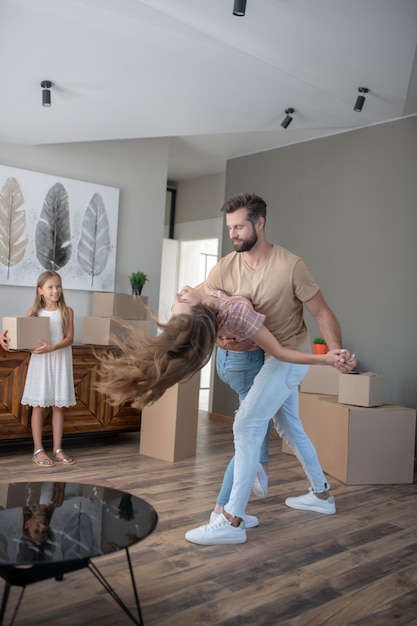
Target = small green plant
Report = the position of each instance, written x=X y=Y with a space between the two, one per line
x=319 y=340
x=138 y=278
x=125 y=508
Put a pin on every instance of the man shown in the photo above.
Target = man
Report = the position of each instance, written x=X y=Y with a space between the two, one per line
x=279 y=285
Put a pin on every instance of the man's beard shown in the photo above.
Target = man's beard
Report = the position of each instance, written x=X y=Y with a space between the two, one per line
x=244 y=245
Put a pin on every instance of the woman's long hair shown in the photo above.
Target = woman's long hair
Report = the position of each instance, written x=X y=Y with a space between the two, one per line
x=39 y=303
x=149 y=365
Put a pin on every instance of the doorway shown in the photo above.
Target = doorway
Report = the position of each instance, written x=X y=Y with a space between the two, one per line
x=187 y=263
x=196 y=258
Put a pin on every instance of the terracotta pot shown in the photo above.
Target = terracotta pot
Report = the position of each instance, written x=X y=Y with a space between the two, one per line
x=319 y=348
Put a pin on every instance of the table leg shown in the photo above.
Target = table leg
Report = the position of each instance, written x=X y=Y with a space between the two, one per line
x=4 y=603
x=96 y=572
x=4 y=600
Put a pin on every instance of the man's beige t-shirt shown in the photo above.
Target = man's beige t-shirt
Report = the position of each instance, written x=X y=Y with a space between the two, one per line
x=277 y=289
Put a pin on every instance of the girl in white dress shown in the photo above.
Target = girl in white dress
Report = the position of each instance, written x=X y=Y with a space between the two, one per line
x=50 y=379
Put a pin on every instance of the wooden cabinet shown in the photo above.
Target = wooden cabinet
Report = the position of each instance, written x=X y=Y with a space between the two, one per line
x=91 y=414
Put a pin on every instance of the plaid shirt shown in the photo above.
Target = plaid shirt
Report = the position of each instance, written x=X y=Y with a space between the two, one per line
x=238 y=322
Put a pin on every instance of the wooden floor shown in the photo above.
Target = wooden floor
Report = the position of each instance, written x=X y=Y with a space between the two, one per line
x=358 y=567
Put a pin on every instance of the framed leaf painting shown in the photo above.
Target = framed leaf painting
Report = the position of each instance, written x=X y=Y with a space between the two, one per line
x=53 y=223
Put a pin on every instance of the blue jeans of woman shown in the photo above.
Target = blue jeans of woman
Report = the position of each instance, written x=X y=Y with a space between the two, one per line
x=238 y=370
x=273 y=395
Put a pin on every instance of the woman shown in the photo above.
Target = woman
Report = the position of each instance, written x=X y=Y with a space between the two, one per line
x=149 y=365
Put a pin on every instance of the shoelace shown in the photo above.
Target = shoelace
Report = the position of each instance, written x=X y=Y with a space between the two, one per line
x=219 y=521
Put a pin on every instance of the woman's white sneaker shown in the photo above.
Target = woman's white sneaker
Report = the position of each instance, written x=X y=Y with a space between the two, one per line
x=219 y=532
x=310 y=502
x=250 y=520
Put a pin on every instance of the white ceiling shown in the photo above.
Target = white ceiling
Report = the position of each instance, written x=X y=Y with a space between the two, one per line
x=216 y=84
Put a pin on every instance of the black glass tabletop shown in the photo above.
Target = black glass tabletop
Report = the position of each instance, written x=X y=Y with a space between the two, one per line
x=59 y=522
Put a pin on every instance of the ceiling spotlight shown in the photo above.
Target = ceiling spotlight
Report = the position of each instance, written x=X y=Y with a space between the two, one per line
x=46 y=93
x=360 y=100
x=239 y=8
x=287 y=121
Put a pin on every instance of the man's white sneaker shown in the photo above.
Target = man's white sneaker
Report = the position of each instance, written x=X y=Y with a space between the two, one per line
x=310 y=502
x=250 y=520
x=218 y=532
x=260 y=484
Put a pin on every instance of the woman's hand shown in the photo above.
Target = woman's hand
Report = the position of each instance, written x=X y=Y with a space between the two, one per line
x=333 y=357
x=347 y=363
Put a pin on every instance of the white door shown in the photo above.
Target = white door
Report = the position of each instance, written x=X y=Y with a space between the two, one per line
x=187 y=263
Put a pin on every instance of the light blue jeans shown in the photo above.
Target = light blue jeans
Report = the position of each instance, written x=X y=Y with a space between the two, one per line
x=238 y=370
x=273 y=395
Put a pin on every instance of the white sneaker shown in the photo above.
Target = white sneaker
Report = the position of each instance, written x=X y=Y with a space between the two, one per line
x=260 y=484
x=310 y=502
x=219 y=532
x=250 y=520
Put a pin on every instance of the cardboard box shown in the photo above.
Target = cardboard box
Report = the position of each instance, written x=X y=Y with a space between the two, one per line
x=25 y=332
x=367 y=445
x=322 y=379
x=364 y=446
x=121 y=305
x=101 y=331
x=365 y=389
x=308 y=410
x=168 y=428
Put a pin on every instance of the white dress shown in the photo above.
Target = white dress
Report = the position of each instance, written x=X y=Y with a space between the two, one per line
x=50 y=377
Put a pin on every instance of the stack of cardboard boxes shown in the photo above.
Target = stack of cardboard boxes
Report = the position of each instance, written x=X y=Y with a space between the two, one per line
x=169 y=426
x=359 y=439
x=113 y=314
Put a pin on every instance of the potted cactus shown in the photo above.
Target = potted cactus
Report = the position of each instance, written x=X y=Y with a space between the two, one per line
x=319 y=346
x=137 y=280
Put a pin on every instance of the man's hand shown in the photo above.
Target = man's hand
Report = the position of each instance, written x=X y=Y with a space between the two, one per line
x=347 y=363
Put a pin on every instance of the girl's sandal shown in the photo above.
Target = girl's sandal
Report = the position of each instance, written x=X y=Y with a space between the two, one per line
x=65 y=460
x=42 y=462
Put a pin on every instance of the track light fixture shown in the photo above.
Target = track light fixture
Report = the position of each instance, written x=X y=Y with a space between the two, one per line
x=46 y=93
x=360 y=100
x=239 y=8
x=287 y=121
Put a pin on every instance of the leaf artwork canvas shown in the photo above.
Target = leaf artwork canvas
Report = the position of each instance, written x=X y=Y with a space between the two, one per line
x=54 y=223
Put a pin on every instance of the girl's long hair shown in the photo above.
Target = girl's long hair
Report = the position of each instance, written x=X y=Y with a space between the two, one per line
x=148 y=365
x=39 y=303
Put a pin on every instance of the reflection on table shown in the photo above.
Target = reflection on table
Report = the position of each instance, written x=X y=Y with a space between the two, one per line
x=59 y=522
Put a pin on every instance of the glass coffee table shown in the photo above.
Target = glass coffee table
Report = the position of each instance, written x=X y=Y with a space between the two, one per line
x=48 y=529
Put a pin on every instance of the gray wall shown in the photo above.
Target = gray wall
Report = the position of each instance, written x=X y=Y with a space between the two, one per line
x=347 y=205
x=200 y=198
x=139 y=169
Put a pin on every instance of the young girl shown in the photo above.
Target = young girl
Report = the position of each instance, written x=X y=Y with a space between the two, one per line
x=149 y=365
x=49 y=381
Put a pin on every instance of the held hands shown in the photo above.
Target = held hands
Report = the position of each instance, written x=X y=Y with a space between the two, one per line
x=346 y=362
x=333 y=357
x=341 y=359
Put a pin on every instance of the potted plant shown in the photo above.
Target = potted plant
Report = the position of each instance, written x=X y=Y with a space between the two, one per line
x=137 y=280
x=320 y=346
